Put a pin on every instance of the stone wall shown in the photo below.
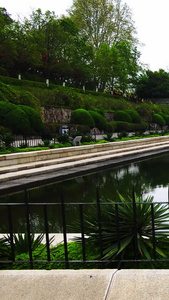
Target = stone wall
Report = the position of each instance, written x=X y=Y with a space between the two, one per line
x=56 y=115
x=51 y=114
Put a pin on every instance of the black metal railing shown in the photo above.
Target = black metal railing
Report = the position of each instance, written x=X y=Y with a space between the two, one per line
x=29 y=226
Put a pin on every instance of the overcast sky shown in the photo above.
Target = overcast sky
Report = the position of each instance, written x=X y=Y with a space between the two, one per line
x=150 y=16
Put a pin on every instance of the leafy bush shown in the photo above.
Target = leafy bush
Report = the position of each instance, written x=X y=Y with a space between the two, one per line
x=34 y=118
x=158 y=120
x=63 y=138
x=165 y=117
x=120 y=126
x=121 y=115
x=137 y=127
x=99 y=120
x=82 y=116
x=146 y=111
x=134 y=116
x=14 y=117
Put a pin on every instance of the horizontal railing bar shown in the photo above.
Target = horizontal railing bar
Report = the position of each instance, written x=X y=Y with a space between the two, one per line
x=81 y=203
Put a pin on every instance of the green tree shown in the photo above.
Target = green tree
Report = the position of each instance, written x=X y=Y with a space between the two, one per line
x=153 y=84
x=7 y=42
x=103 y=21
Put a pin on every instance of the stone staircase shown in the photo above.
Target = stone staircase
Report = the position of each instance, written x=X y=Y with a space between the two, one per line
x=26 y=164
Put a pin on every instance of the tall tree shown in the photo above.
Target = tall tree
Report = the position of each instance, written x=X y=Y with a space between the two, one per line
x=103 y=21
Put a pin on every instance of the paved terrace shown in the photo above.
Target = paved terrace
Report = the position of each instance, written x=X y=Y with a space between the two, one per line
x=39 y=167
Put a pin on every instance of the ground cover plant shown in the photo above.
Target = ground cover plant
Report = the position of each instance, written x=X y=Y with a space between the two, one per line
x=134 y=230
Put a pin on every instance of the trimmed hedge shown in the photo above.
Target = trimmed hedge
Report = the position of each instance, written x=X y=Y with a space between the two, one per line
x=158 y=119
x=121 y=115
x=34 y=118
x=134 y=116
x=99 y=120
x=129 y=127
x=13 y=117
x=82 y=116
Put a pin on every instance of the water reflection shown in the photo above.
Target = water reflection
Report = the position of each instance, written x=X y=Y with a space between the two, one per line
x=148 y=177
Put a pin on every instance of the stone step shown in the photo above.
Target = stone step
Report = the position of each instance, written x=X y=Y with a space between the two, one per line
x=7 y=160
x=88 y=160
x=39 y=164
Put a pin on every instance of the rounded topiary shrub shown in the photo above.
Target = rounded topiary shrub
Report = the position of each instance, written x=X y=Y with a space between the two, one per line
x=158 y=120
x=134 y=116
x=120 y=126
x=13 y=117
x=100 y=121
x=82 y=116
x=165 y=117
x=34 y=118
x=110 y=127
x=121 y=115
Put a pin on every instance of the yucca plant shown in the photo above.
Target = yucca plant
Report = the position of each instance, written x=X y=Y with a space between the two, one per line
x=4 y=249
x=126 y=226
x=21 y=244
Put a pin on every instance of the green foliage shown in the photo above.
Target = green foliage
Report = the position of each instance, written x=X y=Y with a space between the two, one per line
x=158 y=120
x=21 y=242
x=34 y=118
x=153 y=84
x=82 y=116
x=134 y=116
x=120 y=126
x=17 y=96
x=128 y=228
x=63 y=138
x=14 y=117
x=165 y=117
x=146 y=111
x=108 y=137
x=123 y=116
x=4 y=249
x=99 y=120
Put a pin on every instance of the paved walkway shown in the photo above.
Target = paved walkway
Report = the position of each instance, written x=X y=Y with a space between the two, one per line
x=84 y=285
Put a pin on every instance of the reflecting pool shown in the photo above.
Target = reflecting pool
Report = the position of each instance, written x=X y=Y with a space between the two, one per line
x=148 y=177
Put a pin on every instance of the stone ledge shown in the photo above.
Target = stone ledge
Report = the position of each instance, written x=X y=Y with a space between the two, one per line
x=27 y=157
x=103 y=284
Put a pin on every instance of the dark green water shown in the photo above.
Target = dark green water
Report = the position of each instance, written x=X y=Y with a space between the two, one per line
x=147 y=177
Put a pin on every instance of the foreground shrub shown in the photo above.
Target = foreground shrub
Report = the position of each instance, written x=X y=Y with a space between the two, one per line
x=122 y=243
x=82 y=116
x=121 y=115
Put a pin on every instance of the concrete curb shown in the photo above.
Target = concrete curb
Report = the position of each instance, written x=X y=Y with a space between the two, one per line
x=84 y=285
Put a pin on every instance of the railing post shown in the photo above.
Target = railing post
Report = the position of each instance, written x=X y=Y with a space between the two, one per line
x=64 y=230
x=28 y=227
x=82 y=231
x=153 y=231
x=135 y=228
x=46 y=231
x=99 y=223
x=11 y=233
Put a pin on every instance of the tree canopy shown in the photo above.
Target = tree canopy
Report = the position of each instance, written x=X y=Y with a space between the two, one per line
x=98 y=51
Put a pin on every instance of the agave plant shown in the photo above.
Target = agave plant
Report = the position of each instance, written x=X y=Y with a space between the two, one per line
x=4 y=249
x=21 y=242
x=127 y=225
